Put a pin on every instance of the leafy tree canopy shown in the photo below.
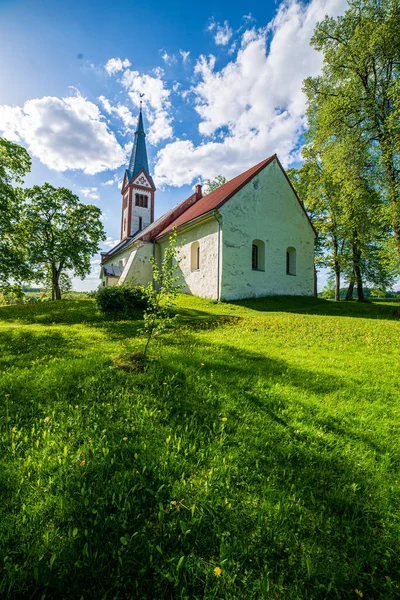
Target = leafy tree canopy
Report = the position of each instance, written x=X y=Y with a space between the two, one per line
x=63 y=233
x=357 y=95
x=15 y=163
x=212 y=184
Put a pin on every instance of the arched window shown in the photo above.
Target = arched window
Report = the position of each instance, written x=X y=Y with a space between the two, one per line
x=291 y=261
x=258 y=255
x=195 y=256
x=141 y=200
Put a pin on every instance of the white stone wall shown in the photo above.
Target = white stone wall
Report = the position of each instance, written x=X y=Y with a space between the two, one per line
x=202 y=282
x=140 y=271
x=110 y=281
x=266 y=209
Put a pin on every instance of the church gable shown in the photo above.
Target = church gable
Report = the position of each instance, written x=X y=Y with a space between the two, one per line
x=268 y=240
x=142 y=180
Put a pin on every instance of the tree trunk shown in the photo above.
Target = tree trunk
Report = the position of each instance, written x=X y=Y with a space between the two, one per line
x=55 y=276
x=336 y=267
x=315 y=283
x=350 y=289
x=356 y=255
x=337 y=282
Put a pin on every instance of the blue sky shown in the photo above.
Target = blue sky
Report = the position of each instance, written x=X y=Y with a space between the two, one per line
x=222 y=85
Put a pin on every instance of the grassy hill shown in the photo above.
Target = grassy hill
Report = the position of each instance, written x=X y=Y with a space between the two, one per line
x=257 y=457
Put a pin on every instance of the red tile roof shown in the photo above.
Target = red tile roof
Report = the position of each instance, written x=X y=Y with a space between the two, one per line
x=218 y=197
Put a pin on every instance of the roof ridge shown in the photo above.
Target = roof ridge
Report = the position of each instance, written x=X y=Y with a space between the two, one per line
x=222 y=193
x=253 y=168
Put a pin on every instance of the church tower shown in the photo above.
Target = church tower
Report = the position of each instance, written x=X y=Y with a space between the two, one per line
x=138 y=188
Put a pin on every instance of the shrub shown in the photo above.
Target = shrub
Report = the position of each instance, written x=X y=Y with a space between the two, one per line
x=121 y=298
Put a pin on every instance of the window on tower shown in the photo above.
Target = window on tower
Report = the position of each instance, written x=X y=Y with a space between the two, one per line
x=141 y=200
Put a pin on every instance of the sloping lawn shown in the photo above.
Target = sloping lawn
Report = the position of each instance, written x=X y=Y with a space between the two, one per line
x=258 y=456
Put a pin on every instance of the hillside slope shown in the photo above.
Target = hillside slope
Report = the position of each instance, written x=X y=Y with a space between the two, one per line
x=257 y=457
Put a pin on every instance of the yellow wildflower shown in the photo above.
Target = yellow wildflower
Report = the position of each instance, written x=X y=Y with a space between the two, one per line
x=124 y=438
x=82 y=463
x=224 y=419
x=359 y=594
x=217 y=571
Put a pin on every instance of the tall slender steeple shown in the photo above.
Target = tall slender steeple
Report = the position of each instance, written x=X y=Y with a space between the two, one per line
x=138 y=187
x=139 y=153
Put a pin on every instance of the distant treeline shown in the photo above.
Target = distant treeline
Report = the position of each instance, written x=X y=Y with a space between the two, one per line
x=329 y=293
x=26 y=288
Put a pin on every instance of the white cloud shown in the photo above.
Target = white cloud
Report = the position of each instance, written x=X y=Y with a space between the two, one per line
x=159 y=72
x=169 y=59
x=185 y=55
x=223 y=34
x=114 y=65
x=254 y=105
x=90 y=192
x=121 y=111
x=212 y=25
x=156 y=99
x=114 y=181
x=64 y=133
x=110 y=242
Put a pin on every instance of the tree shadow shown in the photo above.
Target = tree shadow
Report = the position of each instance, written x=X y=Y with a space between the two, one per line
x=318 y=306
x=64 y=312
x=22 y=349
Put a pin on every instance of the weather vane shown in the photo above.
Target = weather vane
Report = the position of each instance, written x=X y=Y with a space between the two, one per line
x=141 y=96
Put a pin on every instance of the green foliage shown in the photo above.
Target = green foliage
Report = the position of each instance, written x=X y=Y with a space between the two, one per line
x=11 y=294
x=260 y=442
x=213 y=184
x=62 y=234
x=121 y=298
x=161 y=292
x=15 y=163
x=322 y=201
x=356 y=99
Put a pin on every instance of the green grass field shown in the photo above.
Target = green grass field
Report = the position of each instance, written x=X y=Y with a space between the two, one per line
x=258 y=456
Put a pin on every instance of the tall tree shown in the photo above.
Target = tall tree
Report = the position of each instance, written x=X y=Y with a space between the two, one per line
x=321 y=197
x=359 y=88
x=354 y=170
x=63 y=233
x=15 y=163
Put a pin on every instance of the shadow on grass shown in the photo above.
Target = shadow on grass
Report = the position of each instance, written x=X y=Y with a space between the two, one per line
x=22 y=349
x=286 y=512
x=318 y=306
x=64 y=312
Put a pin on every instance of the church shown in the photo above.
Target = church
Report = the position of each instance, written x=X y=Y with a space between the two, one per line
x=251 y=237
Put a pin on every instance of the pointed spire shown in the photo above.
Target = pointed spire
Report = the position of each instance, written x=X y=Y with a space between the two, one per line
x=139 y=153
